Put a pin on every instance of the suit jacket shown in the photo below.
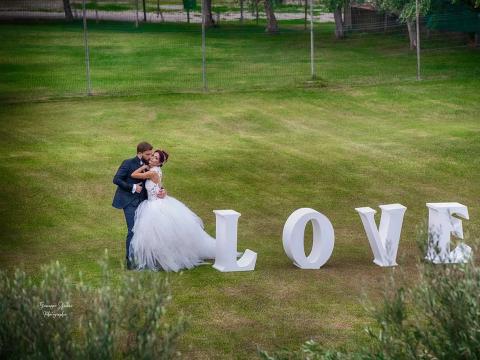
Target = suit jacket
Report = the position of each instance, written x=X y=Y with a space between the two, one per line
x=124 y=181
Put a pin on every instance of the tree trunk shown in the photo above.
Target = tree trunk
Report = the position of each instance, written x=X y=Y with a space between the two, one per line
x=272 y=26
x=337 y=15
x=207 y=13
x=68 y=10
x=136 y=13
x=159 y=11
x=412 y=34
x=144 y=11
x=241 y=11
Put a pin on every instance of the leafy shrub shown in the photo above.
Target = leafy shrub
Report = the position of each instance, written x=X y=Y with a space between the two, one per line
x=439 y=318
x=57 y=318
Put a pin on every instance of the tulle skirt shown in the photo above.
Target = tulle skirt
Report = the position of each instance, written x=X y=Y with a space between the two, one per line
x=168 y=236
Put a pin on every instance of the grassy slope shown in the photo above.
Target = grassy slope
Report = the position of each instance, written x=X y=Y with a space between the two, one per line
x=263 y=154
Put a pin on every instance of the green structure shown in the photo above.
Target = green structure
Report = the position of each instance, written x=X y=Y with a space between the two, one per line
x=446 y=16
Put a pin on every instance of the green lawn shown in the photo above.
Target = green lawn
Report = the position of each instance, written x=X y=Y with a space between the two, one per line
x=48 y=60
x=262 y=153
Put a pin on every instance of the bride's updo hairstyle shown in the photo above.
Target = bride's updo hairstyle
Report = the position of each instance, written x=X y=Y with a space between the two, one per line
x=162 y=155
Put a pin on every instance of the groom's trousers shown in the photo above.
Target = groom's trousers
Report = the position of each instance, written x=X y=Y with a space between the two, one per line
x=129 y=212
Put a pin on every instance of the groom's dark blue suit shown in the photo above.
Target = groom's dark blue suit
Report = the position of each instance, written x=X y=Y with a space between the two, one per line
x=124 y=198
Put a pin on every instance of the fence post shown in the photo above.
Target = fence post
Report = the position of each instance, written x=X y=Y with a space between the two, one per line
x=417 y=10
x=312 y=64
x=87 y=53
x=204 y=60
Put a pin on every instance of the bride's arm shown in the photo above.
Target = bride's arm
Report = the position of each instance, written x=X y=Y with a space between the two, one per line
x=152 y=175
x=139 y=174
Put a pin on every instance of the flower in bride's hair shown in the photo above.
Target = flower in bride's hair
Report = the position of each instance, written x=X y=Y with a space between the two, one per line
x=163 y=156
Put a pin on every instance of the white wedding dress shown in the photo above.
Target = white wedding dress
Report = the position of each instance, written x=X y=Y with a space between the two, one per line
x=167 y=235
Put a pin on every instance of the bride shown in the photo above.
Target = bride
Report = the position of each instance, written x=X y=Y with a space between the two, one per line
x=167 y=235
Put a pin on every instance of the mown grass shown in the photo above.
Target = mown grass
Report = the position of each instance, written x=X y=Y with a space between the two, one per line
x=48 y=60
x=263 y=154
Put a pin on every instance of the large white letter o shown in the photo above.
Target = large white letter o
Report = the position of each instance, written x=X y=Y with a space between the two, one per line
x=293 y=238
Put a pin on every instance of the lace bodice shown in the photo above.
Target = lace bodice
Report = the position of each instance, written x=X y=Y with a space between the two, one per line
x=152 y=188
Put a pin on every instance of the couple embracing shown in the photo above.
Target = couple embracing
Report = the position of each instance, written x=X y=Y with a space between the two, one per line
x=163 y=233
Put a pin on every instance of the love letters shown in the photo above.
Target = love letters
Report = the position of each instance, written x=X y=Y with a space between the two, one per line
x=384 y=240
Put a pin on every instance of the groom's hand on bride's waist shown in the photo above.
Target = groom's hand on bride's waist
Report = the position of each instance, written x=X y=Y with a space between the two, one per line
x=137 y=188
x=162 y=193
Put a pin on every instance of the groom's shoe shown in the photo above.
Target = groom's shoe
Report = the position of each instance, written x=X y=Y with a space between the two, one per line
x=129 y=265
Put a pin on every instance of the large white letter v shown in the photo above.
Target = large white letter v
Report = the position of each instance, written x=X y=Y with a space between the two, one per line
x=383 y=241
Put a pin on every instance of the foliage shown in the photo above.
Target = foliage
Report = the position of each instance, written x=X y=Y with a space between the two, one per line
x=59 y=319
x=474 y=4
x=437 y=319
x=404 y=9
x=332 y=5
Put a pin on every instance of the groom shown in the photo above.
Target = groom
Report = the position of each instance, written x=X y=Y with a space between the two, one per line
x=131 y=192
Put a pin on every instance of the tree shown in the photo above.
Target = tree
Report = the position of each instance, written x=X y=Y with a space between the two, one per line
x=68 y=10
x=406 y=12
x=207 y=13
x=336 y=6
x=272 y=26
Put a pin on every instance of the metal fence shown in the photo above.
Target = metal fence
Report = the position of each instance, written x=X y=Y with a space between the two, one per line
x=152 y=46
